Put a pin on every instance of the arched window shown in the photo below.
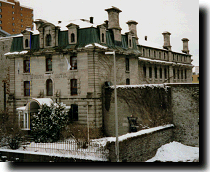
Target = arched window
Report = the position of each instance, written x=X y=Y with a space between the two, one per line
x=48 y=40
x=72 y=37
x=26 y=43
x=102 y=37
x=127 y=81
x=49 y=87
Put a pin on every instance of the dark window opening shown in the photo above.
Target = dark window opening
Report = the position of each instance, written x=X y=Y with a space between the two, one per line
x=165 y=73
x=102 y=37
x=26 y=43
x=26 y=66
x=49 y=87
x=178 y=73
x=156 y=72
x=73 y=62
x=26 y=88
x=49 y=63
x=182 y=74
x=73 y=113
x=48 y=40
x=144 y=71
x=150 y=72
x=185 y=74
x=129 y=42
x=73 y=87
x=127 y=64
x=143 y=53
x=174 y=73
x=160 y=55
x=127 y=81
x=72 y=37
x=161 y=73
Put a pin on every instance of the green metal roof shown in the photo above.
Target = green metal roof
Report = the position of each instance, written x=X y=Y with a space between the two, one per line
x=85 y=36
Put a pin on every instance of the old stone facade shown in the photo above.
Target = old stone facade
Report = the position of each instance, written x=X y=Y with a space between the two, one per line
x=70 y=65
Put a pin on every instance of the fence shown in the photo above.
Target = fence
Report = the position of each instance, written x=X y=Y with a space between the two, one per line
x=70 y=148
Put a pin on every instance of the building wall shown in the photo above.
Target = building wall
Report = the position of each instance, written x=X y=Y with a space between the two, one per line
x=185 y=109
x=17 y=22
x=5 y=44
x=153 y=106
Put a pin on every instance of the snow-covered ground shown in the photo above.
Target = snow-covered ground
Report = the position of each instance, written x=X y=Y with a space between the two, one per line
x=176 y=152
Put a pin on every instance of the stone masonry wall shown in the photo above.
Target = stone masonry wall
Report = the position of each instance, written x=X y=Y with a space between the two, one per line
x=185 y=109
x=140 y=148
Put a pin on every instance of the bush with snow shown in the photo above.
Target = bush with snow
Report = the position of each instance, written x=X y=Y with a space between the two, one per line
x=46 y=126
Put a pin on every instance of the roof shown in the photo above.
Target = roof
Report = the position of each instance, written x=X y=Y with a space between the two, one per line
x=2 y=32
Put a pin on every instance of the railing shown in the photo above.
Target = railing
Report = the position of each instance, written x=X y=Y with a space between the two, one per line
x=70 y=148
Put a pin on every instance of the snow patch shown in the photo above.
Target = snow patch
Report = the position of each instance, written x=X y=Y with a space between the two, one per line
x=140 y=86
x=95 y=45
x=15 y=53
x=176 y=152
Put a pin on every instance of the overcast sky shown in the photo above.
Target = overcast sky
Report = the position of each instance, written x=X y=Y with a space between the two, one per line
x=179 y=17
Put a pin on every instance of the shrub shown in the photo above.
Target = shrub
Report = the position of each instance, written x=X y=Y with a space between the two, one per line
x=48 y=123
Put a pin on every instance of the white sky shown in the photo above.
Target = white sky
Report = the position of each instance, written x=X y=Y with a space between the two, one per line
x=179 y=17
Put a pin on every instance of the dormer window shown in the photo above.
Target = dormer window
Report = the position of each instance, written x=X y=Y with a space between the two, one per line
x=48 y=40
x=26 y=43
x=72 y=37
x=129 y=42
x=102 y=37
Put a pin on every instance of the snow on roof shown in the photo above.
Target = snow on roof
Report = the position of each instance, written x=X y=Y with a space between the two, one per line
x=5 y=1
x=15 y=53
x=95 y=45
x=176 y=152
x=42 y=101
x=21 y=108
x=139 y=86
x=161 y=61
x=103 y=141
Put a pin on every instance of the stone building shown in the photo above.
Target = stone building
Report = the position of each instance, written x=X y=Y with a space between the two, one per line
x=66 y=62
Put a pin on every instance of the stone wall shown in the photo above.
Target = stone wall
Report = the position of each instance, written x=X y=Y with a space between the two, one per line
x=185 y=110
x=142 y=147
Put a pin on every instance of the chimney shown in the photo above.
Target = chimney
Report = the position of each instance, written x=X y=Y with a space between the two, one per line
x=166 y=37
x=132 y=28
x=91 y=20
x=113 y=16
x=185 y=46
x=145 y=38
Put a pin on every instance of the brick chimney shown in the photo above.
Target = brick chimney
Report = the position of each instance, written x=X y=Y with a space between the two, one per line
x=185 y=45
x=113 y=24
x=166 y=37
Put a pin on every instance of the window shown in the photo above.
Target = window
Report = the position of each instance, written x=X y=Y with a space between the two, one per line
x=73 y=62
x=26 y=66
x=21 y=14
x=13 y=18
x=21 y=20
x=13 y=24
x=127 y=81
x=13 y=30
x=21 y=9
x=150 y=72
x=154 y=53
x=0 y=16
x=0 y=4
x=13 y=12
x=174 y=73
x=185 y=73
x=102 y=37
x=49 y=63
x=13 y=6
x=178 y=74
x=149 y=53
x=156 y=72
x=73 y=113
x=26 y=88
x=127 y=64
x=72 y=37
x=0 y=22
x=129 y=42
x=48 y=40
x=0 y=27
x=73 y=87
x=164 y=55
x=26 y=43
x=0 y=10
x=165 y=73
x=161 y=73
x=182 y=74
x=144 y=71
x=143 y=53
x=49 y=87
x=160 y=55
x=197 y=78
x=173 y=56
x=21 y=25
